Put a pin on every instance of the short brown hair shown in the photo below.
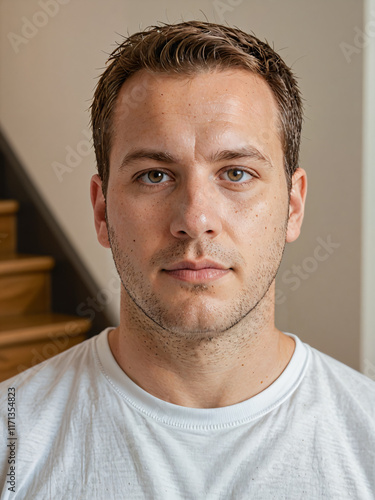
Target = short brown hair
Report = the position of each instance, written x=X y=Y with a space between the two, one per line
x=190 y=48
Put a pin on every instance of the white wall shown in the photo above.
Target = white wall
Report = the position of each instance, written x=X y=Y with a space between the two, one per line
x=47 y=85
x=368 y=200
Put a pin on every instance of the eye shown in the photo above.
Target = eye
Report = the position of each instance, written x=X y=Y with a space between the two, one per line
x=153 y=177
x=238 y=174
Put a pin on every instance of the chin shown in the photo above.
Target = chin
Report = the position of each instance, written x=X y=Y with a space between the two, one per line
x=196 y=323
x=194 y=332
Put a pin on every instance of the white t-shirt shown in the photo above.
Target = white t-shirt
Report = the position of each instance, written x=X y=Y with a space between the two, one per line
x=86 y=431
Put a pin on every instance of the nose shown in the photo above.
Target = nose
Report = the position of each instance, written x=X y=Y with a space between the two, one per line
x=195 y=211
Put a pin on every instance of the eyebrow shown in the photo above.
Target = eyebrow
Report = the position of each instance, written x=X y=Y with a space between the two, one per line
x=165 y=157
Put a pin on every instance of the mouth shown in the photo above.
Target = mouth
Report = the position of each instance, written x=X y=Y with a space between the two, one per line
x=197 y=272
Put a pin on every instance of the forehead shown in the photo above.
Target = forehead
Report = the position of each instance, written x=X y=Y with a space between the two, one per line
x=220 y=105
x=225 y=87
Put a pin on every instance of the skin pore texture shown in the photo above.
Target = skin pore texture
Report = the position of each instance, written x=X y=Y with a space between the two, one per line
x=184 y=336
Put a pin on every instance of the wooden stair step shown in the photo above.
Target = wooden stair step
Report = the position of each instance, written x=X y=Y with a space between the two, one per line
x=25 y=284
x=28 y=340
x=29 y=332
x=9 y=207
x=8 y=225
x=15 y=263
x=30 y=327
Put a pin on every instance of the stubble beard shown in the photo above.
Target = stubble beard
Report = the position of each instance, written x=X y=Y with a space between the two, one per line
x=199 y=320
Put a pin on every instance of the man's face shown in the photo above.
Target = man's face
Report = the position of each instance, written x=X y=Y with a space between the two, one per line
x=212 y=188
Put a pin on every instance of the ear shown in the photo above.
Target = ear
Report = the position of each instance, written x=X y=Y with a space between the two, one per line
x=98 y=204
x=296 y=204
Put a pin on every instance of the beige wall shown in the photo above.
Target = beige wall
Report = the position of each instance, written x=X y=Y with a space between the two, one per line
x=48 y=80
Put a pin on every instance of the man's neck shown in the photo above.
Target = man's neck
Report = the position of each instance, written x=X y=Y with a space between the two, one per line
x=216 y=371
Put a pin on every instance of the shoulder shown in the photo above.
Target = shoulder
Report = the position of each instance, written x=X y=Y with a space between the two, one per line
x=52 y=379
x=340 y=384
x=340 y=372
x=45 y=398
x=38 y=406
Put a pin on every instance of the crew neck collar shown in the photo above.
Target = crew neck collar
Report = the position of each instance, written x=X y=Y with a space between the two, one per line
x=202 y=418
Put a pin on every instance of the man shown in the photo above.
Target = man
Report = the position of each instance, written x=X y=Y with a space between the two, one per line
x=196 y=394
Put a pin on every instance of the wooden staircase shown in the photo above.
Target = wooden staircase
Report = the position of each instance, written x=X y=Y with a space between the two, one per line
x=29 y=332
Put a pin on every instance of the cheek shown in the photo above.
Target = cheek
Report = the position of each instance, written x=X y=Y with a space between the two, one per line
x=272 y=218
x=260 y=221
x=138 y=227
